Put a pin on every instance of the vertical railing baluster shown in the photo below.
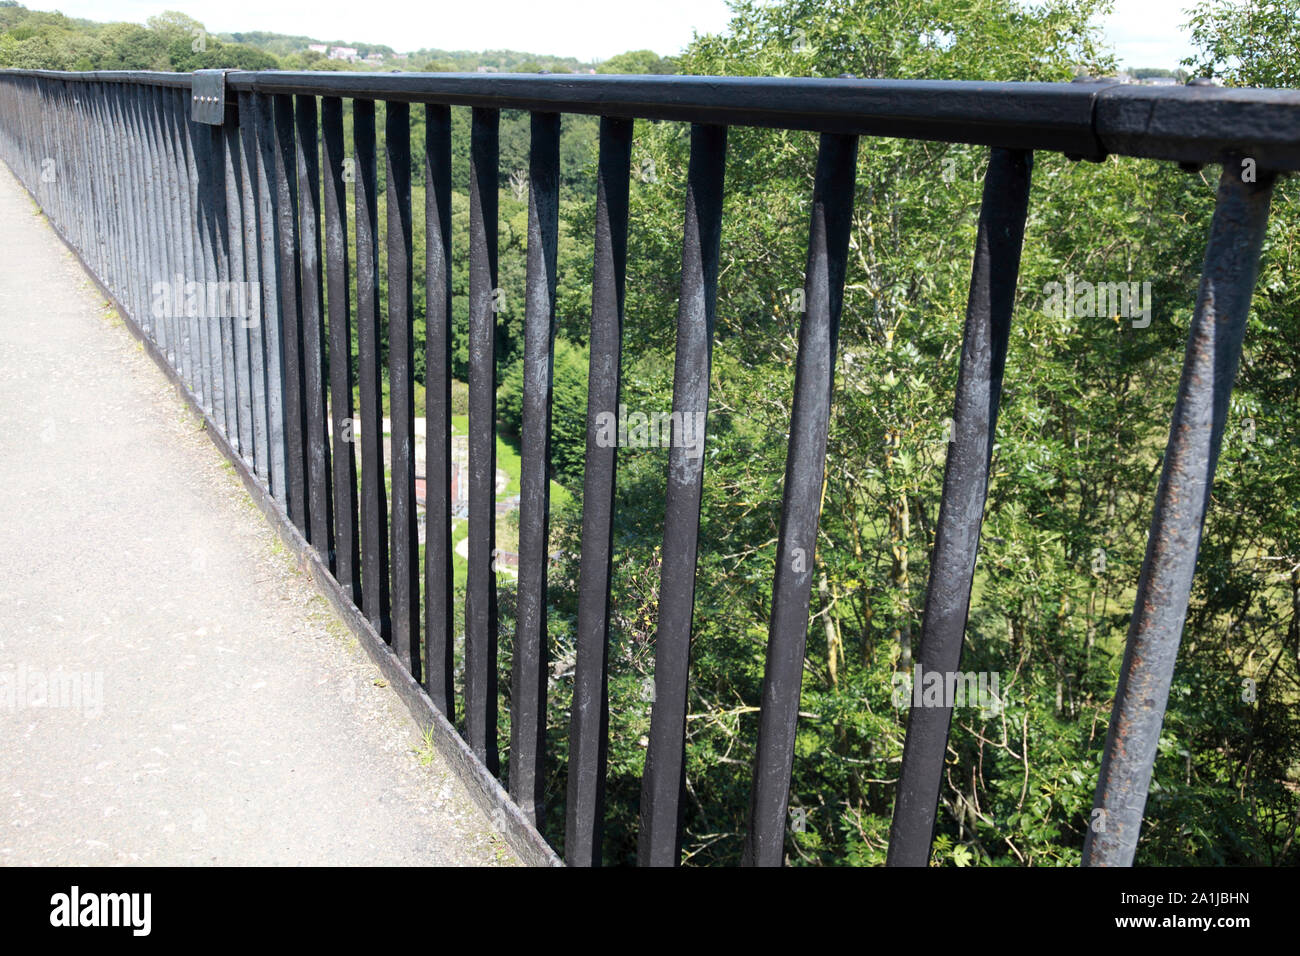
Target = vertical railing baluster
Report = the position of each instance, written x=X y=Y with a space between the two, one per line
x=187 y=328
x=664 y=781
x=320 y=506
x=60 y=198
x=76 y=201
x=255 y=296
x=267 y=225
x=133 y=178
x=110 y=147
x=528 y=674
x=90 y=200
x=207 y=354
x=439 y=613
x=481 y=587
x=241 y=437
x=97 y=225
x=85 y=199
x=127 y=177
x=107 y=185
x=70 y=184
x=347 y=562
x=52 y=203
x=92 y=185
x=998 y=243
x=102 y=183
x=113 y=195
x=1213 y=353
x=149 y=193
x=589 y=725
x=196 y=330
x=832 y=212
x=51 y=197
x=168 y=226
x=401 y=383
x=183 y=223
x=221 y=327
x=287 y=242
x=124 y=167
x=94 y=223
x=72 y=222
x=96 y=186
x=90 y=195
x=79 y=198
x=374 y=497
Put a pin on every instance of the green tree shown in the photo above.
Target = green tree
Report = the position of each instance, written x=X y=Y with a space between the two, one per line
x=638 y=61
x=1085 y=415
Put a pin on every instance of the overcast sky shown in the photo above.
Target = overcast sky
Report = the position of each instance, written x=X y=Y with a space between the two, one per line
x=1143 y=32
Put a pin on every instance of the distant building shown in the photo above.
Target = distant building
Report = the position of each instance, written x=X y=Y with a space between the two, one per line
x=318 y=48
x=348 y=53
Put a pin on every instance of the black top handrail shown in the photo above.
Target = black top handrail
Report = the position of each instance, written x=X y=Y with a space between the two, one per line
x=1187 y=124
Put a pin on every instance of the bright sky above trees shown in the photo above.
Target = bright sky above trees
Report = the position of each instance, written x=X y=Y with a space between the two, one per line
x=1145 y=33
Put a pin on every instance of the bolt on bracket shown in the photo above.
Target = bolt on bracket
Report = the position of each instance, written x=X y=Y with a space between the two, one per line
x=208 y=98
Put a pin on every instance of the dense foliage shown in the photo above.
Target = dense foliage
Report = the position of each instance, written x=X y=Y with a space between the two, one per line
x=1083 y=427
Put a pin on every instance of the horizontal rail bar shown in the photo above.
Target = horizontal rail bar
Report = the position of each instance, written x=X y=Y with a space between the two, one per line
x=1199 y=124
x=1185 y=124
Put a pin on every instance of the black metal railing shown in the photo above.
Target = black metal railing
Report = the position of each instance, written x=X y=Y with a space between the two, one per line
x=216 y=178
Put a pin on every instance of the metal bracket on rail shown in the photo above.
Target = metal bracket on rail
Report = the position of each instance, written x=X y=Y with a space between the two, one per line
x=208 y=102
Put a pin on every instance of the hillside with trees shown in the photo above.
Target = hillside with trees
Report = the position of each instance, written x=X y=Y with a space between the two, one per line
x=1082 y=431
x=36 y=40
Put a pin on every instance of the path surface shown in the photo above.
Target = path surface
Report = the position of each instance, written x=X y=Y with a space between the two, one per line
x=172 y=689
